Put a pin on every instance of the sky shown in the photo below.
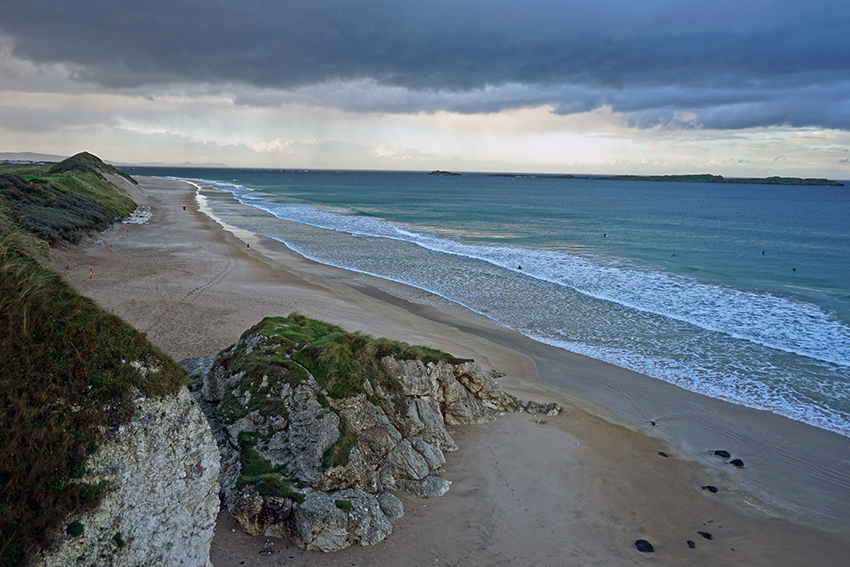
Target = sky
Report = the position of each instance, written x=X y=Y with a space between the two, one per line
x=735 y=88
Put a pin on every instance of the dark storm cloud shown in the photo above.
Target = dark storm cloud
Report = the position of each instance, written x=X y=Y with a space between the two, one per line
x=724 y=64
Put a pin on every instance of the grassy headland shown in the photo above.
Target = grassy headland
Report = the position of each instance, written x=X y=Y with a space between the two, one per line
x=66 y=201
x=68 y=370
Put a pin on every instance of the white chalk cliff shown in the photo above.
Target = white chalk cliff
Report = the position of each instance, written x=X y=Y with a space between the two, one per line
x=160 y=479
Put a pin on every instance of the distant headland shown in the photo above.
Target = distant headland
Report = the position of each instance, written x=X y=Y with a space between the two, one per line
x=440 y=172
x=708 y=178
x=537 y=176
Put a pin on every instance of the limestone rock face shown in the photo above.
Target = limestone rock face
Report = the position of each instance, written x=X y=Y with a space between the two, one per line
x=312 y=431
x=255 y=512
x=403 y=463
x=391 y=506
x=375 y=433
x=162 y=497
x=459 y=405
x=322 y=522
x=433 y=456
x=313 y=456
x=431 y=485
x=485 y=388
x=427 y=412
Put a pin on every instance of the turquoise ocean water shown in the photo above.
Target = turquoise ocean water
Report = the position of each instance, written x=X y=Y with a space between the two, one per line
x=739 y=292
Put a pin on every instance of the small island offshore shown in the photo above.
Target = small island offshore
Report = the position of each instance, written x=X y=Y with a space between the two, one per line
x=709 y=178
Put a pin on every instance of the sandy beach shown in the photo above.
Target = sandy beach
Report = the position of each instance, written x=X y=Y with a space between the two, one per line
x=578 y=489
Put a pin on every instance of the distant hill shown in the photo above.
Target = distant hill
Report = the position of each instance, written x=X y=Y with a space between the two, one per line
x=29 y=156
x=53 y=158
x=163 y=164
x=87 y=162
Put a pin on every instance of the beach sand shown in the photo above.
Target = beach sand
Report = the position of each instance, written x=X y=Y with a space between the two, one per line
x=578 y=489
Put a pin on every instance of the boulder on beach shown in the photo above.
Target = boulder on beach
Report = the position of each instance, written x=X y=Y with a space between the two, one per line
x=317 y=426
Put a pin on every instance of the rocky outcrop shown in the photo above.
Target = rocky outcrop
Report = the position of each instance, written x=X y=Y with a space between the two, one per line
x=316 y=426
x=160 y=477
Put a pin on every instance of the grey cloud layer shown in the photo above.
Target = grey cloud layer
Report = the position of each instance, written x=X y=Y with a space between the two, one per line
x=721 y=63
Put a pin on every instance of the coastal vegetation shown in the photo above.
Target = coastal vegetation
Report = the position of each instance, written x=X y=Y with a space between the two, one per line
x=341 y=362
x=709 y=178
x=65 y=202
x=280 y=351
x=69 y=371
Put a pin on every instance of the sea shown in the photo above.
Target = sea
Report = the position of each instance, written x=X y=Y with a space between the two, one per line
x=736 y=291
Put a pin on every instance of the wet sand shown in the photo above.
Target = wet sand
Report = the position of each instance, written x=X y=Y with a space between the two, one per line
x=577 y=490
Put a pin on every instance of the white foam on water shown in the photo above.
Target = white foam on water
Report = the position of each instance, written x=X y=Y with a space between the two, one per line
x=726 y=343
x=765 y=319
x=736 y=387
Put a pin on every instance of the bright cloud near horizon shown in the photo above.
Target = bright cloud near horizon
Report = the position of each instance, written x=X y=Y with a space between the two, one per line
x=759 y=87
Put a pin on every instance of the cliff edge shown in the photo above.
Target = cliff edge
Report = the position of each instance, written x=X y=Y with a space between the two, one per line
x=104 y=458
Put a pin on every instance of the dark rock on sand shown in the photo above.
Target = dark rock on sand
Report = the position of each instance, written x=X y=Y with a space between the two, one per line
x=722 y=453
x=706 y=535
x=691 y=544
x=737 y=462
x=663 y=454
x=644 y=546
x=710 y=488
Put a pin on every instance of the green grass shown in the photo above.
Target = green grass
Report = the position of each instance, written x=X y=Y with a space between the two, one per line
x=24 y=169
x=269 y=480
x=70 y=200
x=337 y=455
x=88 y=163
x=340 y=361
x=68 y=373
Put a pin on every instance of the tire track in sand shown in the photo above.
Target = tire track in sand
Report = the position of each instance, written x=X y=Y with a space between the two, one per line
x=182 y=306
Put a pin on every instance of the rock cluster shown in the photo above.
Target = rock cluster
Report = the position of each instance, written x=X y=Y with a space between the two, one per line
x=302 y=461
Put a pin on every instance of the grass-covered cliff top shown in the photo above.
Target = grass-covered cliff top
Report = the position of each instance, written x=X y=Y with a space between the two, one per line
x=64 y=201
x=285 y=349
x=68 y=370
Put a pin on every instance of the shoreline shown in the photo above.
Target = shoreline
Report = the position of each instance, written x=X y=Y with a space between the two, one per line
x=193 y=287
x=780 y=454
